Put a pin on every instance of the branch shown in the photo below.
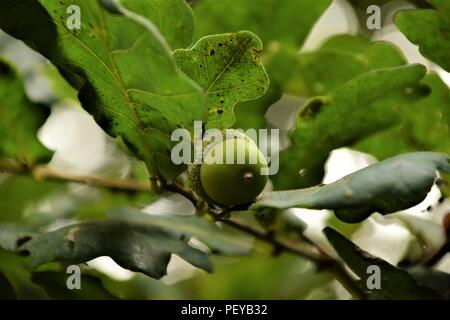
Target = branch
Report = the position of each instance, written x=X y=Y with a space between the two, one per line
x=46 y=173
x=175 y=187
x=320 y=258
x=284 y=245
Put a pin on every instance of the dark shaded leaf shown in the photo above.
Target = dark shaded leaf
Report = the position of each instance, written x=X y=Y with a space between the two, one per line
x=307 y=74
x=438 y=280
x=395 y=283
x=6 y=290
x=16 y=271
x=141 y=248
x=188 y=227
x=54 y=284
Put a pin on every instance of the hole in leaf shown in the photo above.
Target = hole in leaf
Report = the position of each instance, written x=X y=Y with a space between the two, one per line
x=22 y=240
x=5 y=70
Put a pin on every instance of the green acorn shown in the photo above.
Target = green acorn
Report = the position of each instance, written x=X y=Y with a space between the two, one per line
x=230 y=172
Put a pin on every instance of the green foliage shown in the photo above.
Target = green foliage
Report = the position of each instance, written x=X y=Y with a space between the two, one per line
x=260 y=17
x=278 y=274
x=133 y=87
x=228 y=68
x=307 y=74
x=340 y=59
x=17 y=193
x=361 y=107
x=388 y=186
x=143 y=68
x=429 y=29
x=136 y=247
x=422 y=126
x=281 y=43
x=19 y=120
x=173 y=18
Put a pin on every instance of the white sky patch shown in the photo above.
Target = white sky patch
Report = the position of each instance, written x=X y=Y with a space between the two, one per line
x=388 y=240
x=179 y=270
x=337 y=19
x=107 y=266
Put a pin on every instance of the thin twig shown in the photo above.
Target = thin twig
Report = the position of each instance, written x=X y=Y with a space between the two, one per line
x=286 y=246
x=175 y=187
x=46 y=173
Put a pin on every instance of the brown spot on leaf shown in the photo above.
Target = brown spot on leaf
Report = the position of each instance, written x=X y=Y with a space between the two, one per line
x=255 y=54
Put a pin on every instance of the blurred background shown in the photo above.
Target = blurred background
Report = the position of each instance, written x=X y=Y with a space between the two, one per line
x=81 y=146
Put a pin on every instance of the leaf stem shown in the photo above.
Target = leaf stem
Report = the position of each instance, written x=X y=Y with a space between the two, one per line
x=175 y=187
